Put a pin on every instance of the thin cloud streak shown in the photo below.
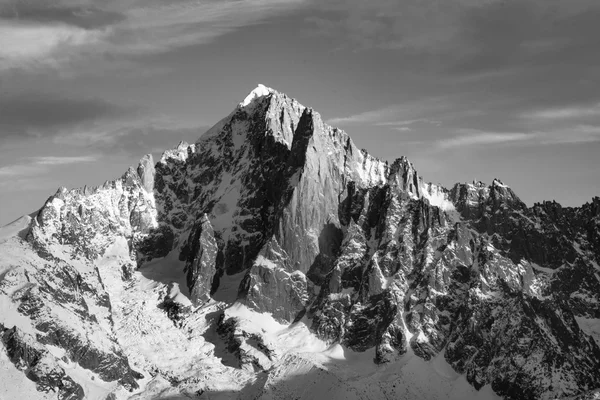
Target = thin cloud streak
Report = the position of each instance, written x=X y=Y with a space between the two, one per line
x=52 y=160
x=40 y=165
x=565 y=113
x=409 y=122
x=405 y=113
x=471 y=138
x=481 y=139
x=19 y=170
x=367 y=117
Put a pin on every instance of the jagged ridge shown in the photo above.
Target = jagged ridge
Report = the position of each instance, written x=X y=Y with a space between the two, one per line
x=368 y=254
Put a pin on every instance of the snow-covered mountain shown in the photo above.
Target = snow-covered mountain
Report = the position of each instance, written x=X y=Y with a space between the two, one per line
x=273 y=259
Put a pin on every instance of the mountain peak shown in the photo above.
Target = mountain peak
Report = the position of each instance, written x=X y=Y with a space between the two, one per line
x=273 y=220
x=498 y=183
x=258 y=92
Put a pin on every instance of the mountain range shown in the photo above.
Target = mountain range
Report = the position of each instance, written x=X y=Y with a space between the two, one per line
x=274 y=259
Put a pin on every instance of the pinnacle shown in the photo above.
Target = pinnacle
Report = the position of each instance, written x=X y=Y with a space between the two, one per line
x=258 y=92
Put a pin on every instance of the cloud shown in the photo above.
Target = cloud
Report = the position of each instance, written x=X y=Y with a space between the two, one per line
x=541 y=33
x=396 y=124
x=424 y=109
x=135 y=137
x=573 y=112
x=53 y=160
x=80 y=14
x=472 y=34
x=388 y=24
x=40 y=165
x=9 y=171
x=76 y=34
x=481 y=139
x=505 y=57
x=368 y=116
x=473 y=138
x=573 y=135
x=29 y=46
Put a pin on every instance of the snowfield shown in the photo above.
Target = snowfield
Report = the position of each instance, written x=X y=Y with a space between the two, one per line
x=179 y=362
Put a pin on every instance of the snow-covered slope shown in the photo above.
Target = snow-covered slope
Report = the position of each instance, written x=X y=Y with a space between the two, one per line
x=273 y=259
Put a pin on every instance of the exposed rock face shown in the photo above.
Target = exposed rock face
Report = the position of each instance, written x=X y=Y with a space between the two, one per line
x=89 y=218
x=272 y=285
x=68 y=308
x=201 y=262
x=39 y=365
x=364 y=252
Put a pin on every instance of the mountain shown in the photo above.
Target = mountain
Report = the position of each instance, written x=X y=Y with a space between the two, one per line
x=273 y=259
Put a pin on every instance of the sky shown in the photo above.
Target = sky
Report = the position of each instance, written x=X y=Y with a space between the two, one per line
x=466 y=89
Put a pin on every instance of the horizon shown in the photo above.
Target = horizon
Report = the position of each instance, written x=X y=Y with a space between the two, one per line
x=89 y=88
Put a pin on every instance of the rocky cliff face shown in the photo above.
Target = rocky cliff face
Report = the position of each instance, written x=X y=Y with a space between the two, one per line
x=276 y=212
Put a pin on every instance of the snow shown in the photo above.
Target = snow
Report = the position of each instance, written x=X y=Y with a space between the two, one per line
x=164 y=271
x=260 y=91
x=441 y=366
x=339 y=373
x=228 y=288
x=238 y=133
x=436 y=196
x=20 y=386
x=369 y=170
x=18 y=227
x=262 y=261
x=542 y=269
x=94 y=388
x=577 y=248
x=9 y=316
x=498 y=183
x=18 y=265
x=179 y=153
x=590 y=326
x=310 y=368
x=296 y=337
x=180 y=357
x=152 y=342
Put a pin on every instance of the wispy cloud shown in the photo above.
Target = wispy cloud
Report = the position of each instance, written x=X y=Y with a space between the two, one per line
x=41 y=165
x=409 y=122
x=51 y=160
x=572 y=112
x=9 y=171
x=373 y=116
x=473 y=138
x=480 y=138
x=29 y=46
x=134 y=136
x=67 y=32
x=388 y=24
x=408 y=112
x=571 y=135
